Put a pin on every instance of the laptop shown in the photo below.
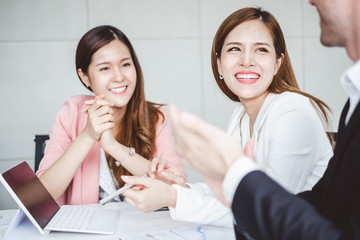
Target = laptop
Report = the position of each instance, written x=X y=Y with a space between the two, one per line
x=45 y=213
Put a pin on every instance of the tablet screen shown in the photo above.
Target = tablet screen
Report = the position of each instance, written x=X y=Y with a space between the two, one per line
x=31 y=192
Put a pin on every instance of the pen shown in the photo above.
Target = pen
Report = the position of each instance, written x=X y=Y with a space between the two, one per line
x=115 y=194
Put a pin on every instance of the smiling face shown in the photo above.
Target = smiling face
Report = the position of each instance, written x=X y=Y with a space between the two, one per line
x=112 y=72
x=248 y=61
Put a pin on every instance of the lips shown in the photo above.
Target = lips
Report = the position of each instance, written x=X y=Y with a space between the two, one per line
x=118 y=90
x=247 y=77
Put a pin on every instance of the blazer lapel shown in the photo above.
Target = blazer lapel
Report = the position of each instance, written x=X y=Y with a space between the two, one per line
x=344 y=136
x=343 y=116
x=346 y=132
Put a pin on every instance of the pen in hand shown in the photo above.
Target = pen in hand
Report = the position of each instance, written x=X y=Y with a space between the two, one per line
x=115 y=194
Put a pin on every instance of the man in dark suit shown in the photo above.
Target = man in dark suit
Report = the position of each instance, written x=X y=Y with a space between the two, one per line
x=262 y=209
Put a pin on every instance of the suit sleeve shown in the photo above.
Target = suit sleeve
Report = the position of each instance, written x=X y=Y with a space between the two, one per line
x=264 y=210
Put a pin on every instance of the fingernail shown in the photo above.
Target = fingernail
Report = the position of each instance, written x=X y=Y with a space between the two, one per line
x=125 y=178
x=164 y=173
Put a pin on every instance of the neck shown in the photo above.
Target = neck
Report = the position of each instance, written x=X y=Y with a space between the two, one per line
x=252 y=107
x=353 y=51
x=353 y=44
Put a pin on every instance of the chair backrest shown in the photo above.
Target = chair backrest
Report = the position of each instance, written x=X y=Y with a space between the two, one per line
x=39 y=149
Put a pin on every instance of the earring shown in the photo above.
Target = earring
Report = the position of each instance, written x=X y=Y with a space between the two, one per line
x=221 y=77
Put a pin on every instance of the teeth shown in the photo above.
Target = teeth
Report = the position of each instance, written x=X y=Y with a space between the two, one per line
x=247 y=76
x=117 y=90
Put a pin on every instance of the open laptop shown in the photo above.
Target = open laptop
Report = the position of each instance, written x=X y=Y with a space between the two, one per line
x=44 y=212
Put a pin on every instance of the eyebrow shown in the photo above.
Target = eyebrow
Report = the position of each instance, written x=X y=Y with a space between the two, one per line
x=257 y=44
x=122 y=60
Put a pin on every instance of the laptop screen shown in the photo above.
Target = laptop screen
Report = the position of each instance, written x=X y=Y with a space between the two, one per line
x=31 y=192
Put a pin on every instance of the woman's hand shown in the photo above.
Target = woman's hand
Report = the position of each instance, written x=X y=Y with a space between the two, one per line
x=149 y=194
x=107 y=139
x=100 y=116
x=166 y=171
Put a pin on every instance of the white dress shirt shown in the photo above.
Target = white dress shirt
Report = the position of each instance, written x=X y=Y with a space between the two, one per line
x=350 y=81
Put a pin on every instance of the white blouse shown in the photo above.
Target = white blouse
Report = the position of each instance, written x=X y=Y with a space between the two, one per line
x=106 y=179
x=291 y=146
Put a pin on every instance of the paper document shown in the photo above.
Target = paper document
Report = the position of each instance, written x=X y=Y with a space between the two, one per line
x=188 y=233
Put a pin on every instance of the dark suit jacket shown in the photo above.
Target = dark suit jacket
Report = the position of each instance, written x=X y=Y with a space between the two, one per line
x=331 y=210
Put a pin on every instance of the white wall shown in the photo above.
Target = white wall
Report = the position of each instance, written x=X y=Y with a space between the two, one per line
x=172 y=38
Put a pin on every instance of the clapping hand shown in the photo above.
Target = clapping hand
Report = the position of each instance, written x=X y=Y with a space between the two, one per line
x=202 y=147
x=206 y=149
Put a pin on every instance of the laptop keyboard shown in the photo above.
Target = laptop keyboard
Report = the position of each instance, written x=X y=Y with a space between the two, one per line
x=71 y=217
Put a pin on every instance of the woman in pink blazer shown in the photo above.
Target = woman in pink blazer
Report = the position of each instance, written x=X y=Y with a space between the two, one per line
x=96 y=139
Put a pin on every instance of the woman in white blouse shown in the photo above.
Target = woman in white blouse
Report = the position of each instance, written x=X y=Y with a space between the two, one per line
x=251 y=66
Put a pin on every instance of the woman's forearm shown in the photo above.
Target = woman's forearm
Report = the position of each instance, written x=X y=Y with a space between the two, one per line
x=57 y=178
x=135 y=164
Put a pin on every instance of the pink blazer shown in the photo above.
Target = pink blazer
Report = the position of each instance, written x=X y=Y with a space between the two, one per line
x=70 y=121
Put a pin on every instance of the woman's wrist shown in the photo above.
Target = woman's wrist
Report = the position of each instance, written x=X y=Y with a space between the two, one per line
x=85 y=137
x=172 y=197
x=112 y=146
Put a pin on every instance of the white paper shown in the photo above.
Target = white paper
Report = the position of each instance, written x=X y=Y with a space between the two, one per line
x=187 y=233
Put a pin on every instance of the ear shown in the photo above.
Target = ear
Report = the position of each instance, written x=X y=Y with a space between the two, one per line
x=219 y=66
x=84 y=78
x=279 y=61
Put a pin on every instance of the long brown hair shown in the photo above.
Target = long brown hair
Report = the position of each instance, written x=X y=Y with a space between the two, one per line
x=285 y=79
x=138 y=127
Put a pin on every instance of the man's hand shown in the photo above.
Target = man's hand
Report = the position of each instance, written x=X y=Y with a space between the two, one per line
x=202 y=147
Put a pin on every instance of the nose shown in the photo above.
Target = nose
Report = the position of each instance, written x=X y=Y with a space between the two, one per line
x=246 y=59
x=118 y=75
x=312 y=2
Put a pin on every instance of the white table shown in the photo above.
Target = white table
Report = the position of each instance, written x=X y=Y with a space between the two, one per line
x=131 y=223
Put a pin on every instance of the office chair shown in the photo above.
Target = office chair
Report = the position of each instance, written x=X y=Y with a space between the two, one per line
x=39 y=149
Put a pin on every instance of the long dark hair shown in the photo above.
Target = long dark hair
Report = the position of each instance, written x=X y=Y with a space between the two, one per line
x=285 y=79
x=138 y=128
